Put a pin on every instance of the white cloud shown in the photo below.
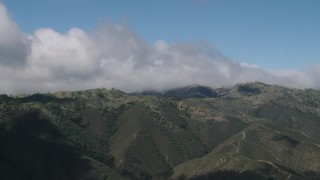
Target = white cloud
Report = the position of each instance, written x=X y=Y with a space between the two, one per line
x=114 y=56
x=63 y=55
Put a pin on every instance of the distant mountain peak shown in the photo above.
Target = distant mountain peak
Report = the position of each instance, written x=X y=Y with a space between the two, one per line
x=190 y=91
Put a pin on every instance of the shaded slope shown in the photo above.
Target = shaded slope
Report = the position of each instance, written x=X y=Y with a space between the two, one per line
x=33 y=148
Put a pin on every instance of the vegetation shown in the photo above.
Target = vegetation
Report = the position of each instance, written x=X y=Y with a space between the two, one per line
x=250 y=131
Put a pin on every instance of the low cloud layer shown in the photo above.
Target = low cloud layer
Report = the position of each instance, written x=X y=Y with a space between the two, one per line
x=114 y=56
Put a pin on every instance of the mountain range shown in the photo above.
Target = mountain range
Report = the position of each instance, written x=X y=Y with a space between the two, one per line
x=248 y=131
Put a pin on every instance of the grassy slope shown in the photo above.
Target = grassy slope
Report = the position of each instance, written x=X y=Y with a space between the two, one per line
x=262 y=148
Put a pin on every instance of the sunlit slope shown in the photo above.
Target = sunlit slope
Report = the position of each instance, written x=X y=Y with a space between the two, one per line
x=261 y=148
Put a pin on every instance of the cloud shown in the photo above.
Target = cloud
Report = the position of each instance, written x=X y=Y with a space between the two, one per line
x=113 y=55
x=14 y=46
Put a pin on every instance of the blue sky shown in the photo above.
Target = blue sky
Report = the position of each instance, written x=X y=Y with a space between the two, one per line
x=276 y=34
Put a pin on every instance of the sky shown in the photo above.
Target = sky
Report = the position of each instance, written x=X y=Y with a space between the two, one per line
x=135 y=45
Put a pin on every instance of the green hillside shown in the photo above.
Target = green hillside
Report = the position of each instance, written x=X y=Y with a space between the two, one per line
x=249 y=131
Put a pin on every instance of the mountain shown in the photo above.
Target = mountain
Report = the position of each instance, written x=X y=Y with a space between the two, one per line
x=194 y=91
x=249 y=131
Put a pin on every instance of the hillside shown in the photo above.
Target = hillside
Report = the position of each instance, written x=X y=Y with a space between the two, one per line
x=249 y=131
